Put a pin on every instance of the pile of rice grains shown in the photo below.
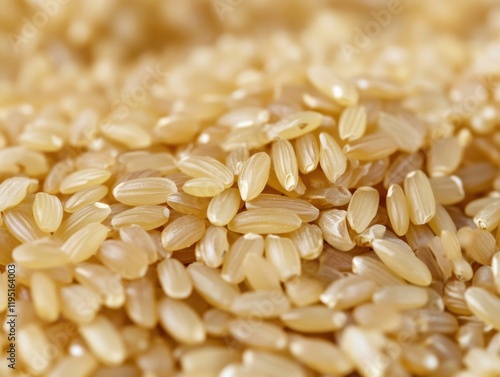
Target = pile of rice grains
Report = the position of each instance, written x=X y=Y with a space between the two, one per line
x=252 y=188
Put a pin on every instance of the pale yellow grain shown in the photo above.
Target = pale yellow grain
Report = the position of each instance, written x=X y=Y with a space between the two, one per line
x=307 y=153
x=285 y=163
x=284 y=256
x=203 y=187
x=352 y=123
x=265 y=221
x=362 y=208
x=331 y=158
x=306 y=211
x=181 y=321
x=85 y=242
x=144 y=191
x=223 y=207
x=104 y=340
x=420 y=197
x=254 y=175
x=401 y=260
x=397 y=209
x=85 y=197
x=83 y=178
x=182 y=232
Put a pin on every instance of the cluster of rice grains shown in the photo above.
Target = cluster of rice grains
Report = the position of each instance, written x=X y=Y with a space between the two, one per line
x=266 y=205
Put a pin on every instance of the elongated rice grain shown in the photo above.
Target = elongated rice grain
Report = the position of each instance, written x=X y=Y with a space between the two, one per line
x=254 y=175
x=307 y=153
x=285 y=163
x=181 y=321
x=223 y=207
x=144 y=191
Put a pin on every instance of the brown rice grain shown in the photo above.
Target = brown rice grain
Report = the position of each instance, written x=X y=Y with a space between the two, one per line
x=254 y=175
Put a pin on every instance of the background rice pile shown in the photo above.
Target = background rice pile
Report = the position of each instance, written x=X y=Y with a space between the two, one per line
x=192 y=188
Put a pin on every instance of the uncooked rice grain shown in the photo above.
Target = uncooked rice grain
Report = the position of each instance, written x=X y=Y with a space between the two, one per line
x=261 y=195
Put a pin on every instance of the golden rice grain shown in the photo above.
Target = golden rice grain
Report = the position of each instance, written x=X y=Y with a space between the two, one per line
x=45 y=297
x=303 y=291
x=309 y=241
x=293 y=125
x=307 y=153
x=331 y=158
x=42 y=254
x=223 y=207
x=420 y=197
x=349 y=291
x=401 y=166
x=144 y=191
x=236 y=158
x=203 y=187
x=352 y=123
x=442 y=221
x=130 y=135
x=306 y=211
x=104 y=341
x=479 y=244
x=210 y=285
x=147 y=217
x=135 y=234
x=126 y=259
x=260 y=304
x=371 y=147
x=313 y=319
x=401 y=260
x=200 y=167
x=141 y=160
x=85 y=242
x=331 y=85
x=14 y=190
x=93 y=213
x=376 y=316
x=285 y=163
x=265 y=336
x=103 y=281
x=181 y=321
x=213 y=246
x=22 y=225
x=484 y=305
x=362 y=208
x=265 y=221
x=140 y=304
x=397 y=209
x=33 y=341
x=444 y=157
x=233 y=269
x=207 y=359
x=488 y=218
x=176 y=129
x=85 y=197
x=375 y=270
x=254 y=175
x=260 y=274
x=447 y=190
x=405 y=134
x=216 y=322
x=79 y=303
x=272 y=365
x=77 y=366
x=182 y=232
x=82 y=179
x=284 y=256
x=188 y=204
x=174 y=278
x=401 y=297
x=333 y=223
